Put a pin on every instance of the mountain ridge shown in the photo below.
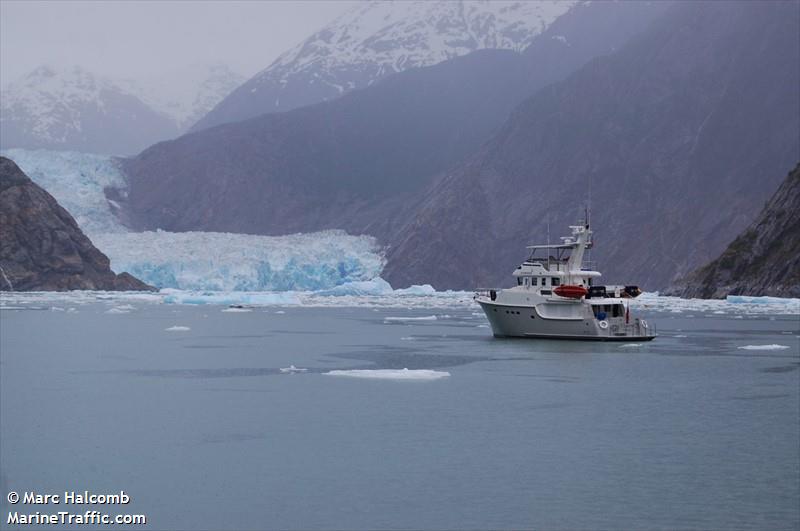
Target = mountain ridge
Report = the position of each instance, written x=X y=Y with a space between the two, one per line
x=358 y=162
x=375 y=39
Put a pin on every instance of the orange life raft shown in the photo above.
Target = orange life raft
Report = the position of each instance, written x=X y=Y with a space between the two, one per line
x=571 y=292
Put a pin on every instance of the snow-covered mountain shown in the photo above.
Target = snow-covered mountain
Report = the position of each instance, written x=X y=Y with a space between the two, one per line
x=378 y=38
x=187 y=94
x=74 y=109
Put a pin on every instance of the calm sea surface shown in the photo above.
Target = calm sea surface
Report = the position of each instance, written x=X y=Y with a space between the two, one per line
x=203 y=431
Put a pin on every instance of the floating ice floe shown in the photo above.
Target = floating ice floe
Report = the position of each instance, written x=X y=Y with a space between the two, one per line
x=292 y=369
x=177 y=329
x=630 y=345
x=392 y=374
x=237 y=309
x=403 y=319
x=228 y=298
x=764 y=347
x=733 y=305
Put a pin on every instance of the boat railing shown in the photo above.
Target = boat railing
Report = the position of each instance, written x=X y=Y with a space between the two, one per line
x=637 y=328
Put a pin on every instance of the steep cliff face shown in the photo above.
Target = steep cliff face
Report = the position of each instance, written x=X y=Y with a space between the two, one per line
x=41 y=246
x=762 y=260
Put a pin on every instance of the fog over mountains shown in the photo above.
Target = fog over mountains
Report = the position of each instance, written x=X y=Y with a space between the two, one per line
x=71 y=108
x=375 y=39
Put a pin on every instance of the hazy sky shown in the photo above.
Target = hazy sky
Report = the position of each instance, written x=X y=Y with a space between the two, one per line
x=134 y=39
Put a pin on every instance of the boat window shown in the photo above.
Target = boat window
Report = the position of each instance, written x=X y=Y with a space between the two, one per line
x=526 y=282
x=519 y=281
x=544 y=281
x=554 y=281
x=617 y=312
x=533 y=281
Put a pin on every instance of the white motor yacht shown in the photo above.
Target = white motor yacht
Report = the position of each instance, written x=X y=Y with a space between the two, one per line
x=555 y=297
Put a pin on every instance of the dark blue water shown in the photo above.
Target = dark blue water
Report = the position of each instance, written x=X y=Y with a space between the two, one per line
x=204 y=432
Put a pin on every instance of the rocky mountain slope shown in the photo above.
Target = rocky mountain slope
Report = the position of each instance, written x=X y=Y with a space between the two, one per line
x=679 y=136
x=41 y=246
x=764 y=260
x=378 y=38
x=74 y=109
x=359 y=162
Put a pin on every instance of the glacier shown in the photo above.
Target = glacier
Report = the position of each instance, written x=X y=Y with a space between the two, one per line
x=329 y=260
x=77 y=181
x=241 y=262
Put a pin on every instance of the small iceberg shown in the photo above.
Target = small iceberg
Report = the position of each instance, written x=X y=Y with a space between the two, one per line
x=763 y=347
x=237 y=309
x=392 y=374
x=291 y=369
x=177 y=329
x=401 y=319
x=630 y=345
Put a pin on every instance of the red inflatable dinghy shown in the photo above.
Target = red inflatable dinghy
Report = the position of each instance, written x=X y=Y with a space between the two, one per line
x=571 y=292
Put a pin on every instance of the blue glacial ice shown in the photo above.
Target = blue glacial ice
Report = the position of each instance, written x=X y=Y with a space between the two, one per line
x=77 y=181
x=239 y=262
x=204 y=261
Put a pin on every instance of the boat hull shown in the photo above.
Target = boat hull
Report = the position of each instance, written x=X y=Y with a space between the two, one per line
x=521 y=321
